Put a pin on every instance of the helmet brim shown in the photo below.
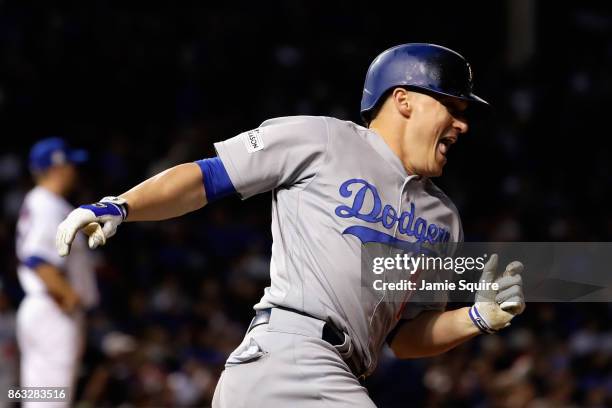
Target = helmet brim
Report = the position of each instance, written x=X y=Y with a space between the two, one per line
x=478 y=108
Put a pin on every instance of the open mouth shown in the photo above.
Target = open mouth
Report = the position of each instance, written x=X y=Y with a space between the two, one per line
x=445 y=143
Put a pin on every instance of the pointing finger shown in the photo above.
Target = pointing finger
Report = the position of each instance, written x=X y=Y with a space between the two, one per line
x=489 y=271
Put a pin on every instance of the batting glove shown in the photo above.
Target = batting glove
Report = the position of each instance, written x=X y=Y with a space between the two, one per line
x=98 y=220
x=493 y=309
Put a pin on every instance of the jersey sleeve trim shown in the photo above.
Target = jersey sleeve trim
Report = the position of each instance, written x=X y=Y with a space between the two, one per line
x=33 y=262
x=217 y=183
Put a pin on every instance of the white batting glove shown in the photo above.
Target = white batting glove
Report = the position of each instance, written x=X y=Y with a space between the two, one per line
x=493 y=309
x=98 y=220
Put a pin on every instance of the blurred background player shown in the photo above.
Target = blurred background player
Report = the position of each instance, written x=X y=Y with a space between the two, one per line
x=50 y=319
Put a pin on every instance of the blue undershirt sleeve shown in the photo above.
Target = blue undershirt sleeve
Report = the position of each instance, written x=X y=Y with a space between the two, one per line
x=217 y=183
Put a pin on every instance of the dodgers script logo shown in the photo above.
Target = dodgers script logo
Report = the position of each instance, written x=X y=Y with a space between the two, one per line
x=407 y=222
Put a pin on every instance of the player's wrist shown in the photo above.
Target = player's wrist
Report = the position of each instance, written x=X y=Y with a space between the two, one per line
x=468 y=327
x=479 y=321
x=119 y=202
x=106 y=208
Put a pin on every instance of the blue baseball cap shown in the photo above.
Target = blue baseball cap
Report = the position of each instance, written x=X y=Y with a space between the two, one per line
x=54 y=151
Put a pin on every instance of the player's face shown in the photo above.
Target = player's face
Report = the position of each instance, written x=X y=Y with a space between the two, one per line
x=436 y=124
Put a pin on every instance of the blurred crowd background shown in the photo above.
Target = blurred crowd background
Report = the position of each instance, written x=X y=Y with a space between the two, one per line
x=144 y=86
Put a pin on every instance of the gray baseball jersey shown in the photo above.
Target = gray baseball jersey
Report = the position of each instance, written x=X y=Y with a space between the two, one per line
x=335 y=185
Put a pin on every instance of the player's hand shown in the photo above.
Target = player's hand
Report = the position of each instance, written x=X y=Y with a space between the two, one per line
x=98 y=220
x=69 y=301
x=493 y=309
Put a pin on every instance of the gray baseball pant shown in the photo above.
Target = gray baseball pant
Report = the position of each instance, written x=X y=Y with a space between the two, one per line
x=285 y=363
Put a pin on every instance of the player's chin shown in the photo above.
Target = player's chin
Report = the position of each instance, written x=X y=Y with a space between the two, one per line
x=436 y=173
x=436 y=167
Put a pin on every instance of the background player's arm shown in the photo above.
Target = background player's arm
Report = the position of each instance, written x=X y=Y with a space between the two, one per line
x=171 y=193
x=432 y=333
x=58 y=287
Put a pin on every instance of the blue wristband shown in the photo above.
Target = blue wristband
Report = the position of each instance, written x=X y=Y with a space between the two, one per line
x=479 y=321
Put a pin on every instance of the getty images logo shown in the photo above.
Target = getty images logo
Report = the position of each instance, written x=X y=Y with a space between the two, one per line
x=253 y=140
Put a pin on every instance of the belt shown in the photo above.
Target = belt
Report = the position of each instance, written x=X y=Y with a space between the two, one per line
x=331 y=334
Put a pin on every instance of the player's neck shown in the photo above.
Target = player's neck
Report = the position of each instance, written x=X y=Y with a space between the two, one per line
x=392 y=132
x=53 y=185
x=389 y=132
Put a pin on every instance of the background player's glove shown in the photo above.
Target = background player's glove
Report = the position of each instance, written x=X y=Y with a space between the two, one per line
x=98 y=220
x=493 y=309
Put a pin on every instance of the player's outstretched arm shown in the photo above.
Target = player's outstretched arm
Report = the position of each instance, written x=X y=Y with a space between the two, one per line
x=435 y=332
x=169 y=194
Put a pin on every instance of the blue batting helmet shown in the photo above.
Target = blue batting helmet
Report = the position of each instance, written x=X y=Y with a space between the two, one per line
x=420 y=67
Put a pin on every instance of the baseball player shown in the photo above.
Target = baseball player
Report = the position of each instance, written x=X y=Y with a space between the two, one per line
x=57 y=290
x=335 y=186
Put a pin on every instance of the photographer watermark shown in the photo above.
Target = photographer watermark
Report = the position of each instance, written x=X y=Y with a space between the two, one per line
x=423 y=263
x=553 y=271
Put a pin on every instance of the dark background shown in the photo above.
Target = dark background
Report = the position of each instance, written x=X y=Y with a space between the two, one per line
x=144 y=86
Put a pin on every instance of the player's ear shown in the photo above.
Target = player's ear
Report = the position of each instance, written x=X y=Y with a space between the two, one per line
x=402 y=101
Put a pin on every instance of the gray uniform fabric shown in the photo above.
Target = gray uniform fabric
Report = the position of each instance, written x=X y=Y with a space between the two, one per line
x=286 y=364
x=336 y=185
